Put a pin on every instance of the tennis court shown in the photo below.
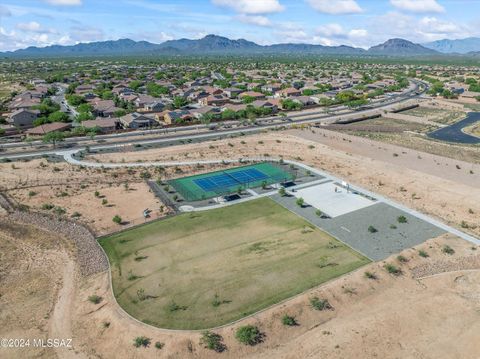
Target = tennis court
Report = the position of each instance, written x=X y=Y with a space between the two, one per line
x=221 y=183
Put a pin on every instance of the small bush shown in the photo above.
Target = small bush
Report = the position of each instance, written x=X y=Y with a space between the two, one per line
x=212 y=341
x=402 y=219
x=97 y=194
x=248 y=335
x=159 y=345
x=282 y=192
x=318 y=213
x=448 y=250
x=320 y=304
x=300 y=202
x=47 y=206
x=95 y=299
x=402 y=259
x=288 y=320
x=141 y=342
x=370 y=275
x=372 y=229
x=117 y=219
x=31 y=193
x=392 y=269
x=423 y=254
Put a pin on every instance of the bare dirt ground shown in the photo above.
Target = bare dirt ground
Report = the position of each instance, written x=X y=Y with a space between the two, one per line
x=35 y=267
x=37 y=183
x=431 y=184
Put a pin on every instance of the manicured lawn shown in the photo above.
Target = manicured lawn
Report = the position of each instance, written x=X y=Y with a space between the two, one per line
x=205 y=269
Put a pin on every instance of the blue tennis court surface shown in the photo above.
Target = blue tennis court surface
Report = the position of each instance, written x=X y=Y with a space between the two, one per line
x=230 y=179
x=214 y=184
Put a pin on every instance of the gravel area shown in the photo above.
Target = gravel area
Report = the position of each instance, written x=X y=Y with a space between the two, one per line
x=446 y=265
x=91 y=258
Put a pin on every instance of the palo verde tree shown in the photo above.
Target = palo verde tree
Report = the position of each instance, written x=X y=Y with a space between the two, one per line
x=53 y=138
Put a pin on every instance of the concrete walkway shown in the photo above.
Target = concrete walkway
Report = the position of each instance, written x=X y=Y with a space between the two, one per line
x=68 y=156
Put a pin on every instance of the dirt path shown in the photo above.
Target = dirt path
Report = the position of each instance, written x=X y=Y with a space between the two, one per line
x=60 y=325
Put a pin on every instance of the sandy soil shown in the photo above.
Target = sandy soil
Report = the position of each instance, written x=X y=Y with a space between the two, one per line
x=31 y=276
x=431 y=184
x=72 y=188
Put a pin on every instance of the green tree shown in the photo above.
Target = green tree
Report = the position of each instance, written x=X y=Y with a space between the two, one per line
x=58 y=117
x=53 y=137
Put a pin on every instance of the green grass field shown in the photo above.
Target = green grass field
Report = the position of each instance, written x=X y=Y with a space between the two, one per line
x=205 y=269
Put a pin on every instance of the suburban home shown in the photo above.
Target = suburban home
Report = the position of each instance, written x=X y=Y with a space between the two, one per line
x=273 y=88
x=47 y=128
x=23 y=118
x=136 y=120
x=212 y=90
x=156 y=106
x=255 y=95
x=143 y=100
x=232 y=92
x=199 y=112
x=82 y=89
x=105 y=108
x=215 y=100
x=24 y=100
x=265 y=104
x=288 y=92
x=305 y=100
x=106 y=125
x=178 y=116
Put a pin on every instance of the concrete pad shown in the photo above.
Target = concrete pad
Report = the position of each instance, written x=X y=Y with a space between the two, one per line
x=324 y=198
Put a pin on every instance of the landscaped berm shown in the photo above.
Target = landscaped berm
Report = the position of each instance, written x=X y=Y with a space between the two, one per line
x=214 y=184
x=203 y=269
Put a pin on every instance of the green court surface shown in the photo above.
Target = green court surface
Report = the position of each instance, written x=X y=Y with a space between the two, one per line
x=219 y=183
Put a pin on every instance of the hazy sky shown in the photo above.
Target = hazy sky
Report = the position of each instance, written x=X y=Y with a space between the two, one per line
x=328 y=22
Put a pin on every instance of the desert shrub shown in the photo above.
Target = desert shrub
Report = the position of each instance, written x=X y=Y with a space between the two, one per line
x=117 y=219
x=370 y=275
x=248 y=335
x=47 y=206
x=448 y=250
x=212 y=341
x=141 y=342
x=402 y=219
x=372 y=229
x=159 y=345
x=402 y=259
x=423 y=254
x=95 y=299
x=300 y=202
x=288 y=320
x=282 y=192
x=320 y=304
x=390 y=268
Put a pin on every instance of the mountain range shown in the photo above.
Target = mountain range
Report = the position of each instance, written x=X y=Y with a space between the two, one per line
x=218 y=45
x=461 y=46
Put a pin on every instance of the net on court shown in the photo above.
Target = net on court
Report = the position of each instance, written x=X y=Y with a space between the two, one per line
x=215 y=184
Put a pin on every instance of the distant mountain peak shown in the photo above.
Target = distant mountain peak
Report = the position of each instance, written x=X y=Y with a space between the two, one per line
x=460 y=46
x=398 y=46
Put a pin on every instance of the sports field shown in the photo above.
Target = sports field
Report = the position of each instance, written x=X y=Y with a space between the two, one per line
x=219 y=183
x=205 y=269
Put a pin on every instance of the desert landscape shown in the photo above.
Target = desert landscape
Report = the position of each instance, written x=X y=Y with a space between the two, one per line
x=373 y=311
